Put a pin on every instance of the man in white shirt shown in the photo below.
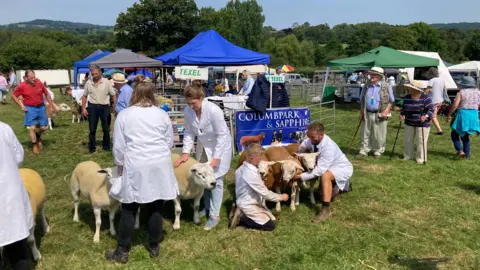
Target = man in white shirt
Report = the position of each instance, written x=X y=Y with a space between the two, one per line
x=436 y=88
x=251 y=191
x=332 y=166
x=248 y=85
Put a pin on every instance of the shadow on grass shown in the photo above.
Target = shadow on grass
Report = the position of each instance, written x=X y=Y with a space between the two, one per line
x=470 y=187
x=417 y=263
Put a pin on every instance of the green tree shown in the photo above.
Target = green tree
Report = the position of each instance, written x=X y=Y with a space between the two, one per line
x=402 y=38
x=360 y=42
x=156 y=26
x=428 y=38
x=472 y=48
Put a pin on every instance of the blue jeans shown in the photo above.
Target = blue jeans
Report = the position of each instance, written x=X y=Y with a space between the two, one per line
x=458 y=146
x=213 y=199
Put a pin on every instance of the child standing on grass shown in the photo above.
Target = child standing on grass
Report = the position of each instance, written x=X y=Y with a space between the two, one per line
x=250 y=192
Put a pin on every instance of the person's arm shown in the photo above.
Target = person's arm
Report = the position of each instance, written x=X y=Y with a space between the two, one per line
x=362 y=93
x=303 y=148
x=188 y=135
x=122 y=103
x=431 y=108
x=48 y=97
x=429 y=87
x=112 y=93
x=323 y=164
x=256 y=183
x=455 y=105
x=119 y=144
x=18 y=92
x=17 y=147
x=169 y=131
x=391 y=99
x=221 y=132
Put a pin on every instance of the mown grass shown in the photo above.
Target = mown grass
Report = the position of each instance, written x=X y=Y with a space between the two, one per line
x=400 y=215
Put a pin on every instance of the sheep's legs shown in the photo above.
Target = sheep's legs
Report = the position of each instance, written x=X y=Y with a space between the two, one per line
x=196 y=207
x=278 y=207
x=178 y=211
x=111 y=217
x=312 y=192
x=50 y=123
x=73 y=118
x=137 y=220
x=98 y=223
x=33 y=246
x=75 y=190
x=45 y=227
x=294 y=195
x=297 y=196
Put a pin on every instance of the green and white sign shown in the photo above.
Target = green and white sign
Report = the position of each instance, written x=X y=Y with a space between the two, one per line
x=276 y=78
x=191 y=73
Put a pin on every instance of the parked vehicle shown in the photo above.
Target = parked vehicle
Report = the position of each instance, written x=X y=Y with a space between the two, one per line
x=295 y=79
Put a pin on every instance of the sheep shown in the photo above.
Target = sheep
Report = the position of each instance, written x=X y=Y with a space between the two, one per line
x=246 y=140
x=52 y=115
x=76 y=111
x=93 y=182
x=192 y=179
x=36 y=192
x=289 y=167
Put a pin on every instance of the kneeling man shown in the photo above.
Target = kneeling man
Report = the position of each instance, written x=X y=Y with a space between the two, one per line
x=332 y=166
x=251 y=191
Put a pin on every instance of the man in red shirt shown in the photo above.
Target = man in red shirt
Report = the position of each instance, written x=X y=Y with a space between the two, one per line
x=32 y=91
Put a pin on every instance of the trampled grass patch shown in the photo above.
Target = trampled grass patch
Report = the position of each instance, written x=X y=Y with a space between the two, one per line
x=400 y=215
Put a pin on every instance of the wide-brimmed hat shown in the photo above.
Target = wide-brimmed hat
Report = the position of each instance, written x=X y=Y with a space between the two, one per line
x=467 y=82
x=415 y=85
x=119 y=78
x=377 y=70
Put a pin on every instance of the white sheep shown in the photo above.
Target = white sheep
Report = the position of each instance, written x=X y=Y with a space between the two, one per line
x=192 y=179
x=94 y=183
x=36 y=192
x=309 y=161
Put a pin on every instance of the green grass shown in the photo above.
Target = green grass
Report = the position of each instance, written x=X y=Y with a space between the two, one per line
x=396 y=208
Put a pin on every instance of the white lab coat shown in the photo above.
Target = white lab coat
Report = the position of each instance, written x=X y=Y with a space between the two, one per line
x=250 y=192
x=213 y=136
x=331 y=158
x=142 y=143
x=16 y=216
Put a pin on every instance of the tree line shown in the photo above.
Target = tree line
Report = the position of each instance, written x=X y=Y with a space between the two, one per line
x=154 y=27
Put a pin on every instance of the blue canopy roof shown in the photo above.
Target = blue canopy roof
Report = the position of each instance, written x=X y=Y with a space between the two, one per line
x=211 y=49
x=81 y=66
x=96 y=52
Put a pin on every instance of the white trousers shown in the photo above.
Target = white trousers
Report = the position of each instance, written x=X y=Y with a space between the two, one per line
x=421 y=136
x=374 y=135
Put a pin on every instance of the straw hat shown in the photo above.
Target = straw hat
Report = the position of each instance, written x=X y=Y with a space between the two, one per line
x=377 y=70
x=467 y=82
x=119 y=78
x=415 y=85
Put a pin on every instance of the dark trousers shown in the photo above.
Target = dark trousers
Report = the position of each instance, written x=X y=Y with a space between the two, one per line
x=127 y=223
x=96 y=112
x=250 y=224
x=17 y=254
x=458 y=146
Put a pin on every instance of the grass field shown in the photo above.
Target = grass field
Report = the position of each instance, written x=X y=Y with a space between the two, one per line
x=400 y=215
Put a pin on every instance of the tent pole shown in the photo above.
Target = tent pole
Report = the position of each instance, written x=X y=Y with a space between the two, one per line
x=325 y=83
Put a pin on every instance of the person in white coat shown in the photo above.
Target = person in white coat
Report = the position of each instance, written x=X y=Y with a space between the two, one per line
x=205 y=121
x=332 y=166
x=16 y=217
x=143 y=139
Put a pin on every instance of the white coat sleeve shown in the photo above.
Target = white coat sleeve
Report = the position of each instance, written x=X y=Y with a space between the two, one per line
x=17 y=147
x=119 y=145
x=188 y=135
x=169 y=134
x=221 y=131
x=255 y=182
x=323 y=164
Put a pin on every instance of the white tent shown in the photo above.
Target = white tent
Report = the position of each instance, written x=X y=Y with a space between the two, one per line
x=442 y=70
x=472 y=66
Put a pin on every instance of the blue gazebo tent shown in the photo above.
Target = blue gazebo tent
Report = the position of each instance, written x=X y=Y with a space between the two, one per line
x=81 y=66
x=211 y=49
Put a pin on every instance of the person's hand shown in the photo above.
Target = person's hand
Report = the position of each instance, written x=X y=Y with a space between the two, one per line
x=297 y=177
x=120 y=170
x=402 y=117
x=423 y=118
x=284 y=197
x=184 y=157
x=24 y=109
x=50 y=109
x=84 y=112
x=361 y=115
x=215 y=163
x=449 y=118
x=385 y=114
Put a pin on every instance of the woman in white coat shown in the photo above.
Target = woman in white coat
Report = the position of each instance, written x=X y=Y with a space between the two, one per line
x=16 y=218
x=205 y=121
x=142 y=143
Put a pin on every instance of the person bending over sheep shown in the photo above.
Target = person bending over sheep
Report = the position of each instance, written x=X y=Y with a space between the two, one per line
x=16 y=217
x=251 y=191
x=142 y=143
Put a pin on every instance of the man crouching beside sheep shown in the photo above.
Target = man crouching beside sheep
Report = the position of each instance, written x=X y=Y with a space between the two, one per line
x=332 y=166
x=251 y=193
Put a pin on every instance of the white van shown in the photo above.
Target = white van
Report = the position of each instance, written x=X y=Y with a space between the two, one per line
x=295 y=79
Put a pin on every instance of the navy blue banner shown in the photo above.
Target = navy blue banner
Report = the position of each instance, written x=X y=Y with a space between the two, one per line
x=285 y=126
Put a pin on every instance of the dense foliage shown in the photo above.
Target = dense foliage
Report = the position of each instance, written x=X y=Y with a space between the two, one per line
x=158 y=26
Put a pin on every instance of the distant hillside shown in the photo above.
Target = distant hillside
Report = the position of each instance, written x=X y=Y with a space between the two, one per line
x=461 y=26
x=57 y=25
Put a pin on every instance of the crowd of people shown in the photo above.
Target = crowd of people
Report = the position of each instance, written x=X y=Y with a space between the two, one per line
x=143 y=139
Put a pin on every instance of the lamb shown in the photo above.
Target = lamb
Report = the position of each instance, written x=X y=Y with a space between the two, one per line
x=93 y=183
x=76 y=112
x=246 y=140
x=192 y=179
x=36 y=192
x=56 y=108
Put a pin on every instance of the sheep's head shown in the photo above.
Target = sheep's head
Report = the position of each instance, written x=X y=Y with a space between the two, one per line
x=264 y=168
x=308 y=160
x=203 y=175
x=111 y=174
x=289 y=169
x=64 y=107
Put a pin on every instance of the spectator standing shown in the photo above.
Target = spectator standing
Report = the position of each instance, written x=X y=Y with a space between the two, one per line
x=125 y=91
x=3 y=88
x=436 y=89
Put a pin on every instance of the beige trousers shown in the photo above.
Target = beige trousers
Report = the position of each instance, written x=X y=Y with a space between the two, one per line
x=412 y=134
x=374 y=134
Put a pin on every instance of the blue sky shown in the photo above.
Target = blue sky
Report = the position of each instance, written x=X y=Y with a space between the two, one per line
x=278 y=13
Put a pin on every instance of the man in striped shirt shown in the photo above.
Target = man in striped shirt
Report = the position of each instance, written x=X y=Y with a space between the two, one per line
x=417 y=112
